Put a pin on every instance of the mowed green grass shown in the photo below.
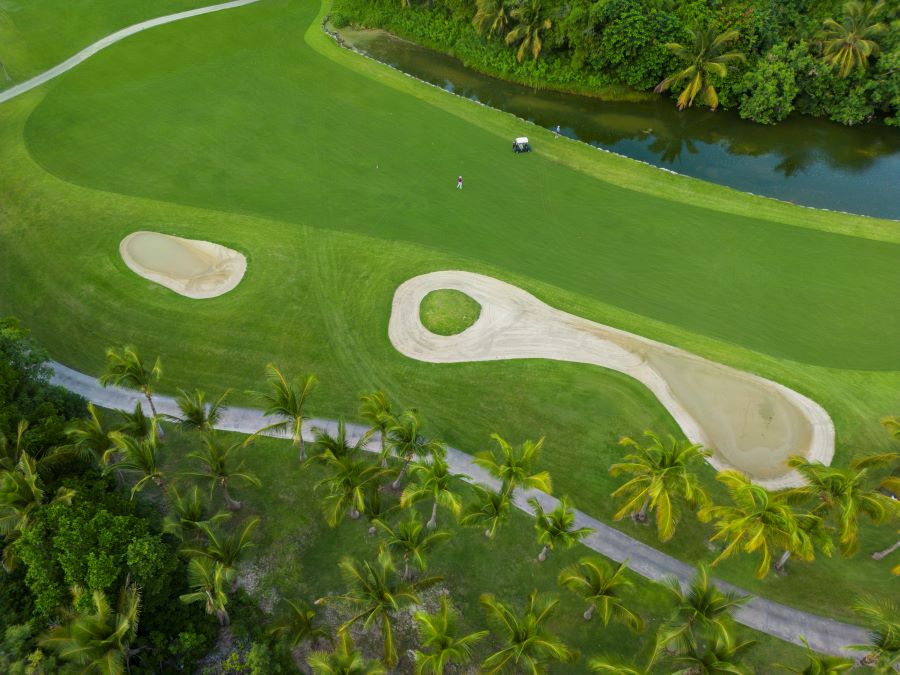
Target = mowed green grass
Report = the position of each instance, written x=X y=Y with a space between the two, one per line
x=366 y=203
x=448 y=312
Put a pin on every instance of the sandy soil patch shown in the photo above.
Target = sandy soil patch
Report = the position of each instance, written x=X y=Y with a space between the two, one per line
x=190 y=267
x=752 y=424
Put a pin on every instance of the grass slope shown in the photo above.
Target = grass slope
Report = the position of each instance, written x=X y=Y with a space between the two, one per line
x=335 y=177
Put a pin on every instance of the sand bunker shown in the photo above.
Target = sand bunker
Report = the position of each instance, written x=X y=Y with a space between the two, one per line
x=190 y=267
x=751 y=424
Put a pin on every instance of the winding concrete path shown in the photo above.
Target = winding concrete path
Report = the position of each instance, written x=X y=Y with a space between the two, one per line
x=824 y=635
x=111 y=39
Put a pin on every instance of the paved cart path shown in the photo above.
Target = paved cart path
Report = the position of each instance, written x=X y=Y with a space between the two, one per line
x=111 y=39
x=824 y=635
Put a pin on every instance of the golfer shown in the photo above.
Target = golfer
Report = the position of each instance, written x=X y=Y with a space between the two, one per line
x=459 y=183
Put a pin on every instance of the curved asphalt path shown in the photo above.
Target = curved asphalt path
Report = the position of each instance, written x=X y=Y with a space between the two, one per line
x=824 y=635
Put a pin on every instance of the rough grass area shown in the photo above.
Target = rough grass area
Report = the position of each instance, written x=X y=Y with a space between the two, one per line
x=448 y=312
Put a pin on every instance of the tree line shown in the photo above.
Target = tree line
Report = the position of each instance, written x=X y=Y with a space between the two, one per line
x=105 y=542
x=766 y=59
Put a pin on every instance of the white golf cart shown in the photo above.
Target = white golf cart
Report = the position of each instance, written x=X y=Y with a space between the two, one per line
x=521 y=145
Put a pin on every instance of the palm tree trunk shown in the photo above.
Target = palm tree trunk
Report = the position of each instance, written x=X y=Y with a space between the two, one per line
x=383 y=449
x=159 y=429
x=354 y=514
x=878 y=555
x=642 y=514
x=396 y=484
x=432 y=523
x=222 y=616
x=232 y=504
x=542 y=556
x=589 y=613
x=406 y=567
x=488 y=533
x=302 y=448
x=782 y=561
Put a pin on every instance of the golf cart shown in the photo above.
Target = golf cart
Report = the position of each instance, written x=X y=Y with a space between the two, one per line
x=521 y=145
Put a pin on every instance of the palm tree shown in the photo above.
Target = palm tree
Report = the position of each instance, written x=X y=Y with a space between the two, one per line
x=762 y=522
x=99 y=640
x=706 y=58
x=719 y=656
x=89 y=437
x=187 y=513
x=208 y=580
x=493 y=14
x=612 y=664
x=10 y=454
x=527 y=644
x=326 y=447
x=850 y=43
x=408 y=443
x=882 y=616
x=441 y=642
x=221 y=468
x=127 y=369
x=531 y=21
x=701 y=609
x=343 y=660
x=892 y=424
x=515 y=467
x=842 y=495
x=347 y=484
x=488 y=510
x=378 y=592
x=880 y=555
x=297 y=624
x=663 y=478
x=819 y=664
x=137 y=456
x=599 y=585
x=411 y=541
x=287 y=400
x=556 y=528
x=196 y=413
x=135 y=423
x=435 y=482
x=375 y=409
x=225 y=548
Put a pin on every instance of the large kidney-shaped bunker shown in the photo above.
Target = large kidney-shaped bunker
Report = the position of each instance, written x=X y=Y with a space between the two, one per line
x=190 y=267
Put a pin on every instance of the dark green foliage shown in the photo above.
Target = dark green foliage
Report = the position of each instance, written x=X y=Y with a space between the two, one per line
x=770 y=88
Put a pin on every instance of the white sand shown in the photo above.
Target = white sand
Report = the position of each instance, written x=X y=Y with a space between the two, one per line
x=751 y=424
x=190 y=267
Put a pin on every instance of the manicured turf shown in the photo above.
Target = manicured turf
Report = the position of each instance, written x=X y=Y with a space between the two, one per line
x=335 y=176
x=448 y=312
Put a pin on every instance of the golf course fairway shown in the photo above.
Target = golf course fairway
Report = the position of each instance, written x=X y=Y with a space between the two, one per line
x=335 y=177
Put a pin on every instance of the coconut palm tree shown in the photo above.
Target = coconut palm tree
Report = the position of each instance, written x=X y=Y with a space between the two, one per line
x=196 y=413
x=442 y=645
x=527 y=644
x=89 y=437
x=494 y=15
x=378 y=592
x=99 y=641
x=700 y=610
x=882 y=616
x=296 y=625
x=556 y=528
x=406 y=440
x=135 y=423
x=532 y=20
x=326 y=447
x=663 y=478
x=719 y=656
x=287 y=400
x=411 y=541
x=762 y=522
x=612 y=664
x=126 y=368
x=221 y=467
x=892 y=424
x=594 y=580
x=348 y=482
x=706 y=58
x=850 y=43
x=880 y=555
x=225 y=548
x=515 y=468
x=188 y=514
x=136 y=456
x=434 y=481
x=345 y=659
x=489 y=510
x=375 y=409
x=843 y=495
x=209 y=582
x=819 y=664
x=11 y=453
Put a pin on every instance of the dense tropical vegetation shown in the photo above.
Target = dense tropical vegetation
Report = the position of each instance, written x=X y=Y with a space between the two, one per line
x=767 y=59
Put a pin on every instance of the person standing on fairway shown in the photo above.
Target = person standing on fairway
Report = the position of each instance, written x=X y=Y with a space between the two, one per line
x=459 y=183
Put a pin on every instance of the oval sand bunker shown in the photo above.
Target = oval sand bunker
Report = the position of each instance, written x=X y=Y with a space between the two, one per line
x=190 y=267
x=752 y=424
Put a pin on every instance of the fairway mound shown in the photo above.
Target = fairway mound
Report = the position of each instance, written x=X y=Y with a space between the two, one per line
x=750 y=423
x=190 y=267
